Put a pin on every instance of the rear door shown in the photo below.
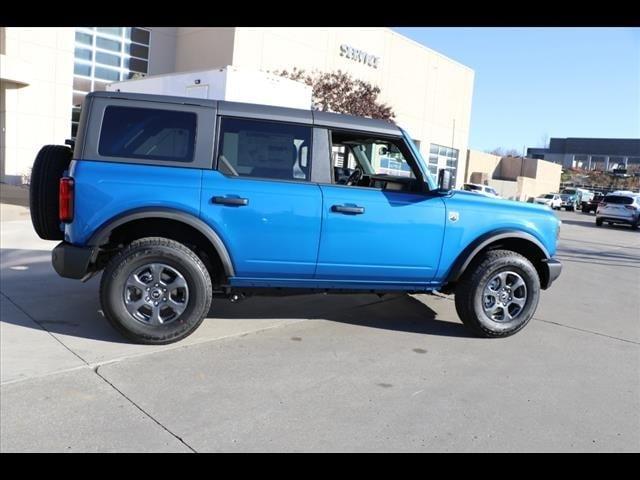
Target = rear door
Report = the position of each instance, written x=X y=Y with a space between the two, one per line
x=260 y=198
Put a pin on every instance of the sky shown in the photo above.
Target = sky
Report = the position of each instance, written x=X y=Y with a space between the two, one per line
x=536 y=82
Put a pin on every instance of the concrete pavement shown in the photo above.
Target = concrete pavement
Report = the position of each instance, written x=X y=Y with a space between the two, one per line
x=326 y=373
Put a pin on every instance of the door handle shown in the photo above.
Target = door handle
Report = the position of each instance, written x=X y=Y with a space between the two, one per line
x=234 y=201
x=354 y=210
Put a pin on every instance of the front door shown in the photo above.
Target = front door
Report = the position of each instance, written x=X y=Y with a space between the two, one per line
x=261 y=202
x=379 y=225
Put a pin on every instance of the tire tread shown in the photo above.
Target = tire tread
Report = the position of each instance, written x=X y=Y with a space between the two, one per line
x=50 y=163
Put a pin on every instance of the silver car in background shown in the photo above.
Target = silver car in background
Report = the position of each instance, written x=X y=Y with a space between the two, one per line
x=619 y=207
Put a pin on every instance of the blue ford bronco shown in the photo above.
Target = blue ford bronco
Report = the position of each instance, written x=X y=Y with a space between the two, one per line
x=179 y=200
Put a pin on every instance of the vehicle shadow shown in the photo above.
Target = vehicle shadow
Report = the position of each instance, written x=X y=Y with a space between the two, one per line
x=69 y=307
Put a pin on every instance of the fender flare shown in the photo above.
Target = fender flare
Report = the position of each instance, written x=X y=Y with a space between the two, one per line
x=101 y=235
x=475 y=247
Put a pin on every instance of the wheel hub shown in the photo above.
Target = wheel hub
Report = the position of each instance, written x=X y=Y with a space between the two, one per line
x=504 y=296
x=156 y=294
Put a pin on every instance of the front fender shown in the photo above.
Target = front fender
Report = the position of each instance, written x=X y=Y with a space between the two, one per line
x=480 y=243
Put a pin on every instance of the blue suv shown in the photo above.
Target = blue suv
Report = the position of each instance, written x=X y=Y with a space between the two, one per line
x=179 y=200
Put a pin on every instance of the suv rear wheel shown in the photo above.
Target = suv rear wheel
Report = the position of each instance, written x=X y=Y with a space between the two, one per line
x=498 y=294
x=155 y=291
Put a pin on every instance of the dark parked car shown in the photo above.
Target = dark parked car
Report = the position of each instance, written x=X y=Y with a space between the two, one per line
x=592 y=205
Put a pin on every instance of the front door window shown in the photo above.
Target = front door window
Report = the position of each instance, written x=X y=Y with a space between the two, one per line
x=362 y=160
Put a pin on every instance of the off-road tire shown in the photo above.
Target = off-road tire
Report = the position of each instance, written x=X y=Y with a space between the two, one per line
x=147 y=251
x=48 y=167
x=469 y=293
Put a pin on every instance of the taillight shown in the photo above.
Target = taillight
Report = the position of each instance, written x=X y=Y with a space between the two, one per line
x=65 y=198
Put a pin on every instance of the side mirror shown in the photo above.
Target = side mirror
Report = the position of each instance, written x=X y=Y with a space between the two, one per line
x=444 y=179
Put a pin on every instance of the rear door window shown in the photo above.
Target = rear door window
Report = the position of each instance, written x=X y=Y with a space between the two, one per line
x=264 y=149
x=148 y=133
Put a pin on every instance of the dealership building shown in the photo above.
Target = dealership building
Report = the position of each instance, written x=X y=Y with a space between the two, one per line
x=45 y=73
x=592 y=153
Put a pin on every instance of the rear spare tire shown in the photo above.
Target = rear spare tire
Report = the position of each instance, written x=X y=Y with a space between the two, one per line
x=48 y=167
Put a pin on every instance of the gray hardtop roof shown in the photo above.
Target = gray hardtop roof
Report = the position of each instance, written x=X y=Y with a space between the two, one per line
x=267 y=112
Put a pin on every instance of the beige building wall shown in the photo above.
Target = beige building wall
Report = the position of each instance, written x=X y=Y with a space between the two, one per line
x=162 y=50
x=548 y=177
x=36 y=78
x=508 y=189
x=513 y=177
x=202 y=47
x=481 y=162
x=430 y=93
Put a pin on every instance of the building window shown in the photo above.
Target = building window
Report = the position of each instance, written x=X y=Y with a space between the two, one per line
x=138 y=35
x=84 y=54
x=104 y=55
x=441 y=157
x=148 y=134
x=107 y=44
x=113 y=31
x=107 y=74
x=82 y=69
x=107 y=59
x=84 y=39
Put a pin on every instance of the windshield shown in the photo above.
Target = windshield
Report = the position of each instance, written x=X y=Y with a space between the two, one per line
x=470 y=187
x=569 y=191
x=548 y=196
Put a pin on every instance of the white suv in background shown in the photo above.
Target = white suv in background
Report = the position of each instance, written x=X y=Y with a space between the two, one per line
x=619 y=207
x=552 y=200
x=481 y=189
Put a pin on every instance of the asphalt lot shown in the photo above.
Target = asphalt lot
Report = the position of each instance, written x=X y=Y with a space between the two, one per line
x=325 y=373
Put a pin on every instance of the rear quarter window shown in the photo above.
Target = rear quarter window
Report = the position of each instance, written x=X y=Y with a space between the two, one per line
x=148 y=133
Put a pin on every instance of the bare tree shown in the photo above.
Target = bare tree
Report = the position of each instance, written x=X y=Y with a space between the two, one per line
x=504 y=152
x=339 y=92
x=544 y=140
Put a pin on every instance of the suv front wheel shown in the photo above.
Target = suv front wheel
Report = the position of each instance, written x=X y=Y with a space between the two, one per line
x=155 y=291
x=498 y=294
